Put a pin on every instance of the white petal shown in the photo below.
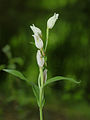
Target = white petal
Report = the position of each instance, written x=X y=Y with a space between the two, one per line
x=40 y=59
x=36 y=30
x=52 y=20
x=38 y=41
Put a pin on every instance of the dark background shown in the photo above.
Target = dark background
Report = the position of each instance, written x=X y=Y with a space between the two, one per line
x=68 y=55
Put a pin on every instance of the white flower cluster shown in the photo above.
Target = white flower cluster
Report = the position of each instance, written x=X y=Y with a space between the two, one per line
x=39 y=43
x=37 y=36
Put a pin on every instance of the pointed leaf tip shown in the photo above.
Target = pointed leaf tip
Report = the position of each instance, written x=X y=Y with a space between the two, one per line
x=57 y=78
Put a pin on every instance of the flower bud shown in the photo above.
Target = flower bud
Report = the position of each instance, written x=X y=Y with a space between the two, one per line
x=36 y=30
x=38 y=41
x=40 y=59
x=52 y=20
x=45 y=75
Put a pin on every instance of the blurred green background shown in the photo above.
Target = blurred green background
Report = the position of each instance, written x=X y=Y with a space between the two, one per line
x=68 y=55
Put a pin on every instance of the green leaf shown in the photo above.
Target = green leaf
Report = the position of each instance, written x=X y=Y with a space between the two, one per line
x=57 y=78
x=36 y=92
x=21 y=76
x=15 y=73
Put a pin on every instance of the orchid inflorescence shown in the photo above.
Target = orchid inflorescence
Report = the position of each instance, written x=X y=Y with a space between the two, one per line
x=38 y=39
x=39 y=42
x=41 y=55
x=42 y=63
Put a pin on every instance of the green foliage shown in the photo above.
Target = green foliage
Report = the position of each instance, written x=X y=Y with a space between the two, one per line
x=57 y=78
x=15 y=73
x=21 y=76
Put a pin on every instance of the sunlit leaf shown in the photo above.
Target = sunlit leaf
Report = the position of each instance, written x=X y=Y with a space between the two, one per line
x=57 y=78
x=19 y=75
x=15 y=73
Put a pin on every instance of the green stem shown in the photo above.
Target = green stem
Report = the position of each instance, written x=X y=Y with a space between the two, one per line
x=39 y=80
x=47 y=35
x=41 y=117
x=41 y=75
x=41 y=93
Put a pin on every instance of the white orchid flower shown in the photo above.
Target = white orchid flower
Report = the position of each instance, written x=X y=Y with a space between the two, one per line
x=40 y=59
x=36 y=30
x=38 y=41
x=45 y=75
x=52 y=20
